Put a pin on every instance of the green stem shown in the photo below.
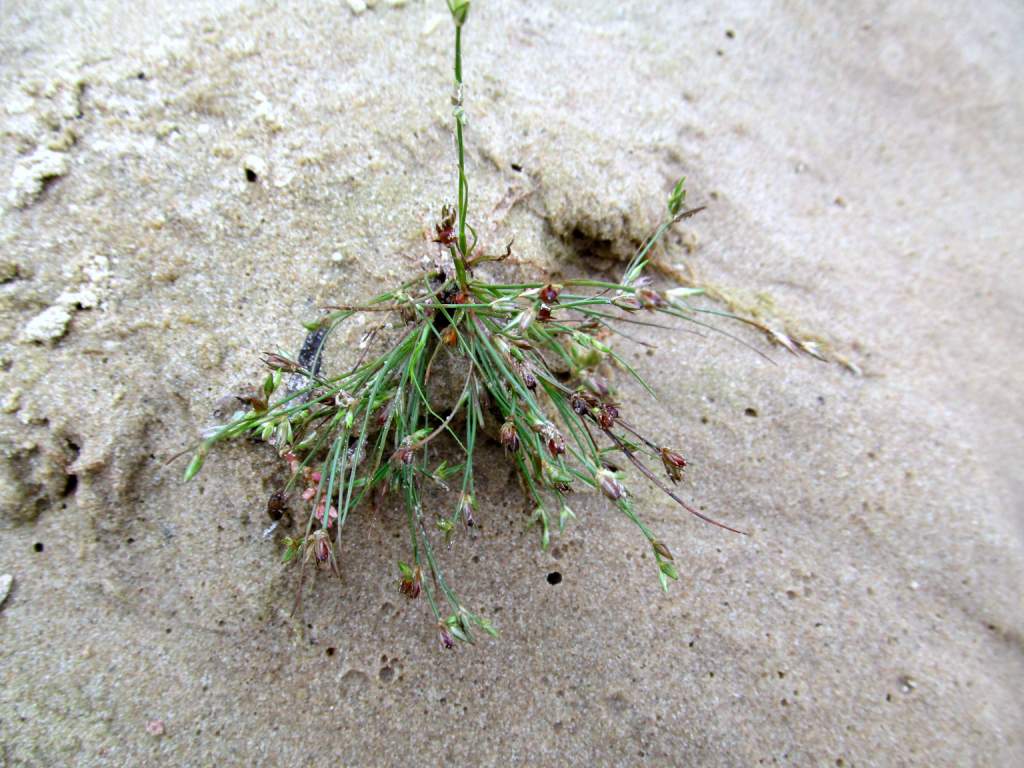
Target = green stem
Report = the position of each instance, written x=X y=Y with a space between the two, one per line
x=463 y=191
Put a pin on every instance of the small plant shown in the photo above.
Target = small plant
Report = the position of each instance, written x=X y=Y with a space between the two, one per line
x=528 y=355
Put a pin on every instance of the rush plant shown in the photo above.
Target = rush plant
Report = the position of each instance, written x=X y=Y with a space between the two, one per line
x=527 y=356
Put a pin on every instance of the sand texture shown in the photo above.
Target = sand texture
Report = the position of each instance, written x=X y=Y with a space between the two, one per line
x=183 y=183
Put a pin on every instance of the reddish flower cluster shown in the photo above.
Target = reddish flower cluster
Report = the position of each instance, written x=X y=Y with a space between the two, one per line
x=321 y=549
x=312 y=480
x=674 y=464
x=553 y=440
x=509 y=436
x=549 y=294
x=410 y=586
x=649 y=299
x=444 y=231
x=529 y=380
x=607 y=415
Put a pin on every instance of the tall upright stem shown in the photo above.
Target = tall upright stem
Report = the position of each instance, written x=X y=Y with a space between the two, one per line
x=460 y=254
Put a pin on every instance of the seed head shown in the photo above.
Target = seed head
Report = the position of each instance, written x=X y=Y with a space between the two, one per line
x=581 y=402
x=466 y=507
x=444 y=231
x=321 y=549
x=409 y=588
x=549 y=294
x=662 y=550
x=607 y=415
x=650 y=299
x=529 y=380
x=280 y=363
x=674 y=464
x=444 y=637
x=460 y=10
x=610 y=485
x=554 y=440
x=410 y=585
x=509 y=436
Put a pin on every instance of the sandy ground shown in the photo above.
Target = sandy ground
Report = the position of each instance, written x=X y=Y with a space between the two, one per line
x=861 y=164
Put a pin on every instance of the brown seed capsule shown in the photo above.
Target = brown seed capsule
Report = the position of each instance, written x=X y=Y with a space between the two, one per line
x=444 y=231
x=466 y=507
x=610 y=485
x=280 y=363
x=650 y=299
x=578 y=404
x=662 y=550
x=509 y=436
x=410 y=587
x=674 y=464
x=444 y=637
x=555 y=442
x=321 y=550
x=444 y=235
x=607 y=415
x=549 y=294
x=529 y=380
x=449 y=336
x=582 y=401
